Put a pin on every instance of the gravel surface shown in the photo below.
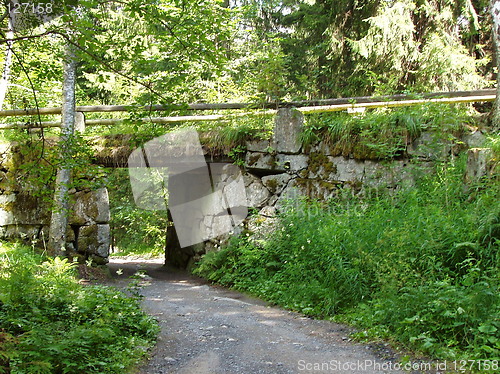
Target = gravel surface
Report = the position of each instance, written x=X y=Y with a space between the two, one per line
x=207 y=329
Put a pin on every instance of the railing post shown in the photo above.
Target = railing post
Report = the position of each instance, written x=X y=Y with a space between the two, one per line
x=288 y=125
x=79 y=122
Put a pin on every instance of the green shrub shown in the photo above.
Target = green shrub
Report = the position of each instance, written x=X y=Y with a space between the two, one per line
x=51 y=324
x=441 y=317
x=421 y=265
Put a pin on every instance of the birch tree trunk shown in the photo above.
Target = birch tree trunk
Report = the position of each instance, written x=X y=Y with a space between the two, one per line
x=4 y=82
x=495 y=15
x=59 y=220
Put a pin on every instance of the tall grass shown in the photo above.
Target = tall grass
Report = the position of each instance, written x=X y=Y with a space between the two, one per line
x=383 y=133
x=421 y=265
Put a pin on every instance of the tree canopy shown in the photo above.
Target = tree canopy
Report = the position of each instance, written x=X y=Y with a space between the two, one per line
x=141 y=51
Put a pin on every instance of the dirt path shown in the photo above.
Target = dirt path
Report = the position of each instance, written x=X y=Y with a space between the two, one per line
x=206 y=329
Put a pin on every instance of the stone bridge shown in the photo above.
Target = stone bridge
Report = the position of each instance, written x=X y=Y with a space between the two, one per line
x=274 y=172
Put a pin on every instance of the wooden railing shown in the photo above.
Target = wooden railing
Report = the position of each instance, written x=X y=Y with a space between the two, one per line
x=250 y=109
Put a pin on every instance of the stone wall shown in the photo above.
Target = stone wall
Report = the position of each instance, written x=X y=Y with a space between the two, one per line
x=274 y=172
x=26 y=215
x=281 y=170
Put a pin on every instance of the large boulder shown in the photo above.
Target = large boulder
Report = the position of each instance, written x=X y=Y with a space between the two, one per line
x=257 y=193
x=90 y=207
x=94 y=240
x=276 y=183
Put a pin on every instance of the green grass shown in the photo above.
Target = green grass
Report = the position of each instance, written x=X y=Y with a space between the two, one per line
x=49 y=323
x=384 y=133
x=141 y=251
x=217 y=136
x=420 y=266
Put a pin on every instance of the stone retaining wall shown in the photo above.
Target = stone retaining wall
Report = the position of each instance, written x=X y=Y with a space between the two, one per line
x=281 y=170
x=274 y=172
x=25 y=215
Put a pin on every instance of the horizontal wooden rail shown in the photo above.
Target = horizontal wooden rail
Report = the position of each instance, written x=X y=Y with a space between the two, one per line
x=394 y=104
x=304 y=110
x=226 y=106
x=161 y=120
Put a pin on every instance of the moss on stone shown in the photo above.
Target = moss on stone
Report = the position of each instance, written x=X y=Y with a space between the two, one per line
x=362 y=152
x=304 y=173
x=329 y=186
x=252 y=160
x=355 y=184
x=8 y=207
x=307 y=185
x=329 y=168
x=271 y=162
x=316 y=159
x=320 y=162
x=272 y=185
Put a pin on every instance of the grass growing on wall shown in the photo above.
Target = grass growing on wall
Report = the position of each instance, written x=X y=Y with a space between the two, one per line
x=384 y=133
x=421 y=266
x=51 y=324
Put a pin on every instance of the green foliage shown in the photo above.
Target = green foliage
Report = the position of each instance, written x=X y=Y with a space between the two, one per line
x=408 y=43
x=254 y=51
x=383 y=133
x=345 y=48
x=494 y=144
x=238 y=155
x=133 y=51
x=413 y=265
x=51 y=324
x=135 y=231
x=37 y=159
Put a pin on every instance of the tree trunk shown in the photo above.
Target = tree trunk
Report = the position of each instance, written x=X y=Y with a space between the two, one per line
x=4 y=82
x=495 y=15
x=59 y=220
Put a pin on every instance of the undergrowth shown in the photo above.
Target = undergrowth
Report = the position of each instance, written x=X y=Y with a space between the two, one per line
x=224 y=137
x=383 y=133
x=420 y=266
x=49 y=323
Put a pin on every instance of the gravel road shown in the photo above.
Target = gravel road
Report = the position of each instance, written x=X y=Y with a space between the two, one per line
x=207 y=329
